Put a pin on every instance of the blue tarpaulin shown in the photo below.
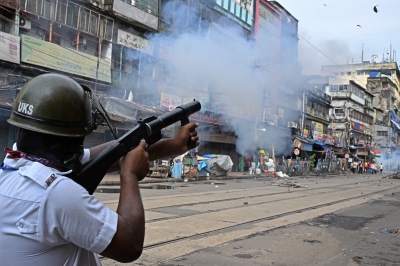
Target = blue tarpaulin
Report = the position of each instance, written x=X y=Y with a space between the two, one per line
x=316 y=142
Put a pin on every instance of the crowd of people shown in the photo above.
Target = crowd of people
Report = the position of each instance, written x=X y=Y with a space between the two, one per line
x=365 y=167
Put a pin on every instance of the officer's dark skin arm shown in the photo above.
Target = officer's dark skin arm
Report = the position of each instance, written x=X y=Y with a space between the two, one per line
x=127 y=243
x=161 y=149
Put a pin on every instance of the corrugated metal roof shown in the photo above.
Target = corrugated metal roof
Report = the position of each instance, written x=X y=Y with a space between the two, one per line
x=137 y=106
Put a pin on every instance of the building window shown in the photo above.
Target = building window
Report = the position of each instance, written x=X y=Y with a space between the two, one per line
x=382 y=133
x=339 y=111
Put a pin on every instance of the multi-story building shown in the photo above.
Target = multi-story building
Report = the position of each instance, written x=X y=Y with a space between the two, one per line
x=276 y=34
x=351 y=116
x=382 y=81
x=122 y=49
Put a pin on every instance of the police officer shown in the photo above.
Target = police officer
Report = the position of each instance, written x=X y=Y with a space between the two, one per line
x=48 y=219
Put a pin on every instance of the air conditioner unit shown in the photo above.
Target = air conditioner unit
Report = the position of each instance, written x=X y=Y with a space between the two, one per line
x=25 y=23
x=292 y=125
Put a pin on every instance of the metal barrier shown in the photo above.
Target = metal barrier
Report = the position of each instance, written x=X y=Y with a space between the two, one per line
x=300 y=167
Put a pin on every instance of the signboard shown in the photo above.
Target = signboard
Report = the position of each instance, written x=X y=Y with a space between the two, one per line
x=296 y=152
x=346 y=156
x=209 y=117
x=50 y=55
x=9 y=47
x=357 y=126
x=169 y=102
x=134 y=42
x=317 y=130
x=307 y=147
x=268 y=114
x=305 y=133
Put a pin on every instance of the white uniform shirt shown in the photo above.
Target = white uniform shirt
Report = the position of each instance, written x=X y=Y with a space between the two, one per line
x=48 y=219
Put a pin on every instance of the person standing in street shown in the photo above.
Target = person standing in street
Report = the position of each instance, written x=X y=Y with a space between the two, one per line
x=381 y=168
x=354 y=167
x=361 y=167
x=373 y=171
x=47 y=218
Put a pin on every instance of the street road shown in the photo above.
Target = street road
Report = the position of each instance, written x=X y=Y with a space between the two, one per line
x=325 y=221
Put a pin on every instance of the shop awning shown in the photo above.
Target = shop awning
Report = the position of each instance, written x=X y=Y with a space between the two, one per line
x=311 y=141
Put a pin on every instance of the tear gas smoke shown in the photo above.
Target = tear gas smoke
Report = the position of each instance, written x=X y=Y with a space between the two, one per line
x=203 y=58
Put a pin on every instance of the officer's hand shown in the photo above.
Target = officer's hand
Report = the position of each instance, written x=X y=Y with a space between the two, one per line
x=136 y=162
x=183 y=134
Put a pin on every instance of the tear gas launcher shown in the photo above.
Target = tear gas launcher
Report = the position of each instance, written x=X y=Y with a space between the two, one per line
x=148 y=129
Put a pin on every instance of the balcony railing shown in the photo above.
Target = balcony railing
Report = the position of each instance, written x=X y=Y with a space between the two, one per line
x=316 y=113
x=69 y=14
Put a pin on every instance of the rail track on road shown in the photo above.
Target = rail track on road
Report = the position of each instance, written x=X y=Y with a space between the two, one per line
x=266 y=218
x=346 y=185
x=294 y=191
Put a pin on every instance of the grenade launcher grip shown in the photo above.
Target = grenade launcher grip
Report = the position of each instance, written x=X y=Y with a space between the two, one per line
x=148 y=129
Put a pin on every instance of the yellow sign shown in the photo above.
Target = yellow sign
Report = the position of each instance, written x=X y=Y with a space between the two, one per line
x=46 y=54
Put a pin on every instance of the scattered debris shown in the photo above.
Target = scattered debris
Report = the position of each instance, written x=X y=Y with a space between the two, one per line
x=376 y=9
x=291 y=184
x=311 y=241
x=359 y=26
x=392 y=231
x=357 y=259
x=245 y=203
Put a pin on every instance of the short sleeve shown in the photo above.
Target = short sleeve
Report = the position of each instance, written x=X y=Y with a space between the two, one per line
x=70 y=214
x=86 y=156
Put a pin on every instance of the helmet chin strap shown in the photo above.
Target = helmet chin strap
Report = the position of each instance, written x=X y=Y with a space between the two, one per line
x=63 y=151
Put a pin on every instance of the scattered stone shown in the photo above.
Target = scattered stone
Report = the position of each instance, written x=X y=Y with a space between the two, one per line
x=311 y=241
x=357 y=259
x=245 y=203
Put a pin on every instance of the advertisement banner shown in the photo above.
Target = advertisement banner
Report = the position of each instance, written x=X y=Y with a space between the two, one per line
x=305 y=133
x=46 y=54
x=317 y=130
x=9 y=47
x=169 y=102
x=357 y=126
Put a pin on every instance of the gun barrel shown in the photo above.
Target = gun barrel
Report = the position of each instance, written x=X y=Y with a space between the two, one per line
x=167 y=119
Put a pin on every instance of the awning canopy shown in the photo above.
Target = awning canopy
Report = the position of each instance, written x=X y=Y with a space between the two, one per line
x=310 y=141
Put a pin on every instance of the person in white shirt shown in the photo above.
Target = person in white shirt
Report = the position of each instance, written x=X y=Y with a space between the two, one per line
x=47 y=218
x=381 y=168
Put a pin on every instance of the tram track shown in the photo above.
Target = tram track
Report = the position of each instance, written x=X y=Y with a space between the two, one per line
x=230 y=208
x=266 y=218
